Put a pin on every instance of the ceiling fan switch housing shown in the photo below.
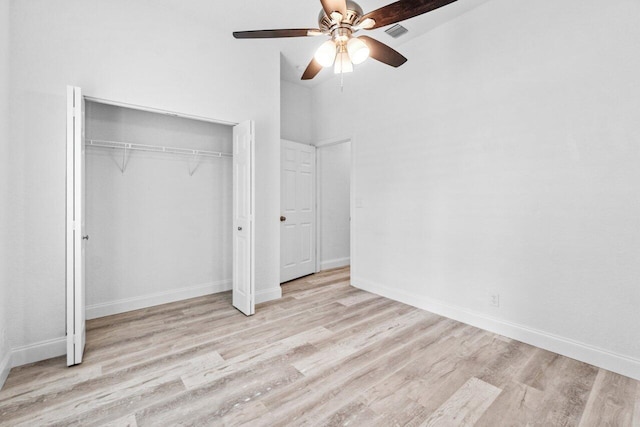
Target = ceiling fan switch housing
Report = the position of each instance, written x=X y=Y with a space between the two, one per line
x=341 y=35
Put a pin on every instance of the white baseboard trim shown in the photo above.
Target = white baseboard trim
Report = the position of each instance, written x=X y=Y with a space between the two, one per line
x=58 y=346
x=602 y=358
x=5 y=367
x=268 y=294
x=38 y=351
x=128 y=304
x=334 y=263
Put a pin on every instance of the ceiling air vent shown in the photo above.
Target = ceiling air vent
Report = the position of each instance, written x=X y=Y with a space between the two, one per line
x=396 y=31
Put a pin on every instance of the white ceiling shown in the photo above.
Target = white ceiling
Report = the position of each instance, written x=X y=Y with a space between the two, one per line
x=232 y=16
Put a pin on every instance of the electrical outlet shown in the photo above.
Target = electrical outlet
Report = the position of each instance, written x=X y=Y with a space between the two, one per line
x=494 y=300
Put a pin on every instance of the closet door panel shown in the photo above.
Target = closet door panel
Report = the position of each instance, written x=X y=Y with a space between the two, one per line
x=243 y=215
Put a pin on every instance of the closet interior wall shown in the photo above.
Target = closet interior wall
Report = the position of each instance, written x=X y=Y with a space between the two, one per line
x=159 y=231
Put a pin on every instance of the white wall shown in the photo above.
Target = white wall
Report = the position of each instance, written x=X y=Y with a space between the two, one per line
x=503 y=158
x=295 y=112
x=137 y=53
x=5 y=166
x=334 y=183
x=156 y=233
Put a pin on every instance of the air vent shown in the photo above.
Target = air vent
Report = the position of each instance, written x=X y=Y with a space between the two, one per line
x=396 y=31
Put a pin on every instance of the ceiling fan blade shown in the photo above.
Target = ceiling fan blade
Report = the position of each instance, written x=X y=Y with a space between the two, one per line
x=402 y=10
x=270 y=34
x=383 y=53
x=312 y=70
x=330 y=6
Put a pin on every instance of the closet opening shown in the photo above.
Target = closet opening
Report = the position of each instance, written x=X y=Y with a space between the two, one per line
x=160 y=209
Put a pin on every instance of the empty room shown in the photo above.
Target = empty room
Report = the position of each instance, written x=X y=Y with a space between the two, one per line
x=319 y=212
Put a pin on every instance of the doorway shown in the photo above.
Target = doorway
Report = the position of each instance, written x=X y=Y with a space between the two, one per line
x=334 y=204
x=315 y=207
x=170 y=208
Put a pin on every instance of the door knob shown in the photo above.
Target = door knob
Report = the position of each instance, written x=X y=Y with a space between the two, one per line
x=239 y=228
x=283 y=218
x=85 y=237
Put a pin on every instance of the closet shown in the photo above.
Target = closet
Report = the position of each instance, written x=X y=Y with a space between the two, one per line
x=159 y=213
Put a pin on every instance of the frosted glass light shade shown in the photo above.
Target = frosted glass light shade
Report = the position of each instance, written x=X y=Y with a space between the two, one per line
x=326 y=53
x=358 y=51
x=343 y=63
x=366 y=24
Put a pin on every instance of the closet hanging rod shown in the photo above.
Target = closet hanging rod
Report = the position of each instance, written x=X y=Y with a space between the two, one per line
x=155 y=148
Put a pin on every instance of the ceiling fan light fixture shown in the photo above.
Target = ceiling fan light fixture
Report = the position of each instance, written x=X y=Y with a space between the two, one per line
x=343 y=63
x=358 y=50
x=366 y=24
x=326 y=53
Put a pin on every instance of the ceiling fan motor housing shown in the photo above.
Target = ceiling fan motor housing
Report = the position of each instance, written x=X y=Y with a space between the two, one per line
x=354 y=12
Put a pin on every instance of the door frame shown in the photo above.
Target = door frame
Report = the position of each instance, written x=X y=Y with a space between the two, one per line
x=70 y=197
x=324 y=144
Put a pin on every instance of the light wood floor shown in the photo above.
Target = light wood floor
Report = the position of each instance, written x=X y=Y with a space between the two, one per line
x=325 y=354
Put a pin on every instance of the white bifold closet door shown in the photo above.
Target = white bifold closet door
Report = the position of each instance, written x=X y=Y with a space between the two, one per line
x=75 y=227
x=298 y=210
x=243 y=217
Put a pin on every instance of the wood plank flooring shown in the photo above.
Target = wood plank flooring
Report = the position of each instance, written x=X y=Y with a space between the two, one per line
x=324 y=354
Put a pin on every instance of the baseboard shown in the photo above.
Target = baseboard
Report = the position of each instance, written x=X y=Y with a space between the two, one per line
x=268 y=294
x=128 y=304
x=38 y=351
x=334 y=263
x=5 y=367
x=58 y=347
x=605 y=359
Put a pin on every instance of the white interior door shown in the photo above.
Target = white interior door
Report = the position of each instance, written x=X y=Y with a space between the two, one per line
x=298 y=217
x=243 y=214
x=75 y=227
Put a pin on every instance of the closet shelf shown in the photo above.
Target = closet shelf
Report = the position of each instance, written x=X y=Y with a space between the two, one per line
x=155 y=148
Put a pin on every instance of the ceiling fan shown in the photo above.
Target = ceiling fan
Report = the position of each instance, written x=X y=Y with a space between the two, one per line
x=340 y=20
